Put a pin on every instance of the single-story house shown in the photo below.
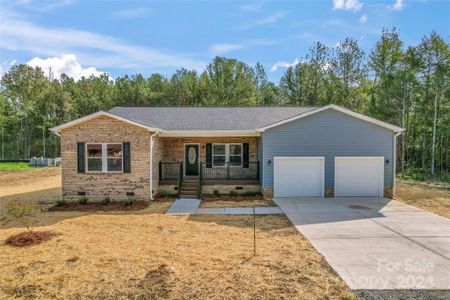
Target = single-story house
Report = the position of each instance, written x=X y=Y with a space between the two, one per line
x=278 y=151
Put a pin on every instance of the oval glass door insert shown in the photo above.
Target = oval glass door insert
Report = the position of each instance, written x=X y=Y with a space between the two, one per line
x=192 y=155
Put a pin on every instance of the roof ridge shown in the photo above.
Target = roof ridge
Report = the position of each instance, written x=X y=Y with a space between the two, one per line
x=216 y=106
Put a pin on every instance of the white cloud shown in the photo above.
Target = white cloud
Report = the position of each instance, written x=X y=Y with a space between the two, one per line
x=67 y=64
x=274 y=18
x=251 y=7
x=398 y=5
x=354 y=5
x=6 y=65
x=363 y=19
x=44 y=5
x=283 y=64
x=219 y=49
x=132 y=13
x=90 y=48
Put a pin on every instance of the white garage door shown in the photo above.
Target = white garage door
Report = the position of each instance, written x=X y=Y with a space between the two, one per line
x=359 y=176
x=298 y=176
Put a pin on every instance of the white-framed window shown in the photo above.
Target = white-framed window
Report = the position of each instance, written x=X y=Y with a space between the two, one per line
x=222 y=153
x=104 y=157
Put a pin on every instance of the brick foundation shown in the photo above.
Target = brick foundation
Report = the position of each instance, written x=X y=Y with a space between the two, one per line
x=388 y=192
x=267 y=192
x=329 y=192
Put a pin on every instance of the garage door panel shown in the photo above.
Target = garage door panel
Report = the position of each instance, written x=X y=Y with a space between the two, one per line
x=298 y=176
x=359 y=176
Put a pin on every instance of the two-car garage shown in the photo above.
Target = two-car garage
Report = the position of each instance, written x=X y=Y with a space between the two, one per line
x=303 y=176
x=329 y=152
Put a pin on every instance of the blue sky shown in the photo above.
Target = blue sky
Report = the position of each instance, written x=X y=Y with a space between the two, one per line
x=128 y=37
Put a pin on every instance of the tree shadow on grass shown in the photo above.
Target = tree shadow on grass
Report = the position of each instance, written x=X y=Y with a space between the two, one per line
x=48 y=218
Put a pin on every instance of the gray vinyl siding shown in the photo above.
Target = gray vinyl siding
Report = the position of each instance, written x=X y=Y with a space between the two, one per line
x=328 y=133
x=260 y=157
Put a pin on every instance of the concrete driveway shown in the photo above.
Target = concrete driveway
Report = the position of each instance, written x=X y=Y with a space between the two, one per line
x=375 y=243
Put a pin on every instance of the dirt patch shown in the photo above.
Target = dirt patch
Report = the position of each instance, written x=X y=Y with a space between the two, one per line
x=211 y=201
x=29 y=238
x=97 y=206
x=165 y=198
x=141 y=255
x=34 y=184
x=429 y=197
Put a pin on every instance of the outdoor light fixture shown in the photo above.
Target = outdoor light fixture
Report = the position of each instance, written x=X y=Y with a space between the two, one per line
x=269 y=162
x=387 y=161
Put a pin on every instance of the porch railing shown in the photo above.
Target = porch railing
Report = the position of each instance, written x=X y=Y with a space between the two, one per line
x=230 y=171
x=208 y=171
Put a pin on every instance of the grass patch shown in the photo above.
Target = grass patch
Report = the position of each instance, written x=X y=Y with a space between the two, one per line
x=235 y=200
x=172 y=257
x=428 y=196
x=221 y=203
x=145 y=254
x=14 y=166
x=425 y=176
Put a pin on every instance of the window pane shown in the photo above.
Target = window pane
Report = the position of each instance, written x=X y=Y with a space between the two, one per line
x=94 y=150
x=114 y=150
x=235 y=160
x=219 y=149
x=235 y=150
x=94 y=164
x=219 y=160
x=114 y=164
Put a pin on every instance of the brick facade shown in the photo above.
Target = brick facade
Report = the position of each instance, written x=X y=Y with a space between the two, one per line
x=109 y=130
x=173 y=148
x=97 y=185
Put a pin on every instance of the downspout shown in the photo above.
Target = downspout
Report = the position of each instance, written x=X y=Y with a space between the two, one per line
x=395 y=162
x=151 y=164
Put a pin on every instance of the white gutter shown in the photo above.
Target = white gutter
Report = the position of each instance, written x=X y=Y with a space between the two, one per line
x=151 y=164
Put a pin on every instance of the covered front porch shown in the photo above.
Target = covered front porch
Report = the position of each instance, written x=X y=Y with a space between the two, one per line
x=192 y=166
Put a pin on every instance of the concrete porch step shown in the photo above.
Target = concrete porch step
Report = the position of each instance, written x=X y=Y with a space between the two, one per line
x=189 y=188
x=188 y=196
x=185 y=192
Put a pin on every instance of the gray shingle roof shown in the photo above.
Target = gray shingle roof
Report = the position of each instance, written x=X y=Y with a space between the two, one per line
x=208 y=118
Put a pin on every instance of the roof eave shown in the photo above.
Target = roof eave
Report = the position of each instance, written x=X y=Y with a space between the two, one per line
x=210 y=133
x=337 y=108
x=57 y=129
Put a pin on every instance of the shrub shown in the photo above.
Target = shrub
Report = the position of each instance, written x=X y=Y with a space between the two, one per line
x=83 y=200
x=128 y=201
x=248 y=193
x=216 y=193
x=163 y=194
x=60 y=202
x=106 y=200
x=233 y=193
x=23 y=213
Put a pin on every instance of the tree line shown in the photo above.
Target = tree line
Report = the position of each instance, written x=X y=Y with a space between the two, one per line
x=405 y=86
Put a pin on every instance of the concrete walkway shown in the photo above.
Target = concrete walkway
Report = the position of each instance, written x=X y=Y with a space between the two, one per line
x=375 y=243
x=184 y=207
x=191 y=207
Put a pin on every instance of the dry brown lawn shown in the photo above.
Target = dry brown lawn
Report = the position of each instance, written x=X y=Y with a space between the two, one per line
x=18 y=183
x=427 y=196
x=147 y=254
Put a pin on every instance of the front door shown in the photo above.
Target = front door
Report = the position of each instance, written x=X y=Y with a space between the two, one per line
x=191 y=159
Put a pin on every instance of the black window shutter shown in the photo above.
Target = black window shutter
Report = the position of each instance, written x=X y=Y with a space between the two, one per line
x=81 y=161
x=126 y=157
x=245 y=155
x=209 y=155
